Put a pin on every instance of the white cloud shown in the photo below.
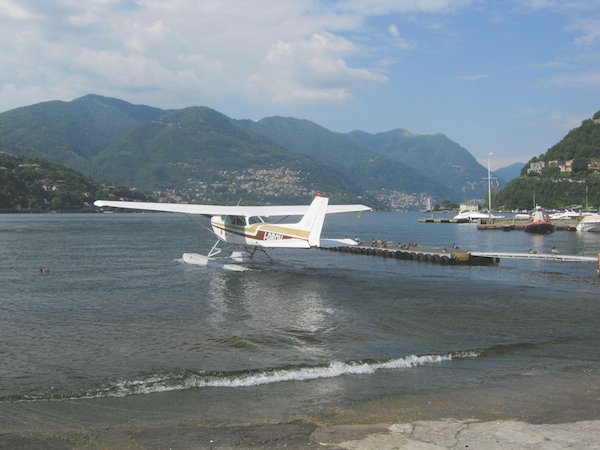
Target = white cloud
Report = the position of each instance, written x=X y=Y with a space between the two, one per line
x=294 y=49
x=590 y=29
x=310 y=69
x=139 y=37
x=14 y=11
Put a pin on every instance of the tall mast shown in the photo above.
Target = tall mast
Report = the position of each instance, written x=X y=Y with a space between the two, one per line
x=489 y=186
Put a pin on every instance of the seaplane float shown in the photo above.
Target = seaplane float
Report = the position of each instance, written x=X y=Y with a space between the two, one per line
x=251 y=228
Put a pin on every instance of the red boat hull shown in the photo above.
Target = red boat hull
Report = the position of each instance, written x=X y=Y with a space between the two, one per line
x=539 y=227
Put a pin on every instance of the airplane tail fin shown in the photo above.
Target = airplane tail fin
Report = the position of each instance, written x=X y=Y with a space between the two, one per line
x=313 y=220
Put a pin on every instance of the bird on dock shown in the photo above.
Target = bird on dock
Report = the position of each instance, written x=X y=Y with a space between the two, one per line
x=532 y=251
x=554 y=251
x=455 y=247
x=444 y=250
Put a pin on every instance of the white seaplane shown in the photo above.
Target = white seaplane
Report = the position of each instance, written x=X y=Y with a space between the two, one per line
x=251 y=228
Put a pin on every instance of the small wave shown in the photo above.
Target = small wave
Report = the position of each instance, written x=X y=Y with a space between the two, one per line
x=188 y=380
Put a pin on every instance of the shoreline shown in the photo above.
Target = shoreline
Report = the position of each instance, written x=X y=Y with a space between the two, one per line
x=301 y=434
x=551 y=411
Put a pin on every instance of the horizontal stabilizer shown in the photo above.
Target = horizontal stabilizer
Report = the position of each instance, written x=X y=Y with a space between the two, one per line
x=330 y=243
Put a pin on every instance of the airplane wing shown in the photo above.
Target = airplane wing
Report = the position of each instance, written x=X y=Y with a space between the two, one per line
x=218 y=210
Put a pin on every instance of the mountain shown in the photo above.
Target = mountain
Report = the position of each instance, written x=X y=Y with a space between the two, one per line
x=198 y=154
x=191 y=147
x=568 y=174
x=373 y=172
x=435 y=155
x=68 y=131
x=510 y=172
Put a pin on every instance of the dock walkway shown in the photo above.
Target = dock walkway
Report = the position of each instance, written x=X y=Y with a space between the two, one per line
x=510 y=223
x=507 y=223
x=434 y=255
x=444 y=256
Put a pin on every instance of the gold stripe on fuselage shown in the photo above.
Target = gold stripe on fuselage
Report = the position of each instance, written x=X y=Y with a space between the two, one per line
x=259 y=231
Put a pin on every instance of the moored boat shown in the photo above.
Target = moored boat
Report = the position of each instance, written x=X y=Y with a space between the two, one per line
x=538 y=223
x=468 y=215
x=589 y=223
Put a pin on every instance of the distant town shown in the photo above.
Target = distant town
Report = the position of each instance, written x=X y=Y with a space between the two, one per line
x=274 y=182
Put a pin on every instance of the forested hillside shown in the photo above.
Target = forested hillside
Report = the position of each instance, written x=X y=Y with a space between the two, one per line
x=571 y=173
x=37 y=184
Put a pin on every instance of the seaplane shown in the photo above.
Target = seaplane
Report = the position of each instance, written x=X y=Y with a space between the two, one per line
x=252 y=228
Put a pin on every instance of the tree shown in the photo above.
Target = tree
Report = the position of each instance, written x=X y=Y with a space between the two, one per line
x=580 y=165
x=449 y=205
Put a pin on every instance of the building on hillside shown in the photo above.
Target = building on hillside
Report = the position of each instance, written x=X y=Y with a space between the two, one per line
x=567 y=167
x=536 y=167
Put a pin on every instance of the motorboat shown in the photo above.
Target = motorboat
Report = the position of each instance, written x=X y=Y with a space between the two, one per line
x=565 y=214
x=468 y=215
x=589 y=223
x=538 y=223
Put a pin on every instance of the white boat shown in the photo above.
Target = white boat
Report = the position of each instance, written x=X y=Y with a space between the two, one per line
x=566 y=214
x=468 y=215
x=589 y=223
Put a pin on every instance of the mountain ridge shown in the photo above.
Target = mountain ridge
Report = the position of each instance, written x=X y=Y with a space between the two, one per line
x=186 y=150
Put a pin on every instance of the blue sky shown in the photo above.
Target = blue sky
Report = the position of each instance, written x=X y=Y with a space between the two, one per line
x=507 y=77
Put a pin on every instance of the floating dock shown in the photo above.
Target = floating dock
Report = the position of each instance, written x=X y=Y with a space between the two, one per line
x=444 y=256
x=510 y=223
x=434 y=255
x=507 y=223
x=545 y=256
x=433 y=220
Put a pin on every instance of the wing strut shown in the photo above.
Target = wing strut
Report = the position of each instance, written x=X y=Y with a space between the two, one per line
x=199 y=223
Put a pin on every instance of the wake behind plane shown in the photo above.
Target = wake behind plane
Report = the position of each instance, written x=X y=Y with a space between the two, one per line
x=251 y=228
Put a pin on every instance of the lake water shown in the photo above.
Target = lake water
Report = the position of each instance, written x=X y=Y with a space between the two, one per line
x=121 y=332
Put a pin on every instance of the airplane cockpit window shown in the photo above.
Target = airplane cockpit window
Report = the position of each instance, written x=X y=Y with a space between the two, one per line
x=238 y=220
x=226 y=219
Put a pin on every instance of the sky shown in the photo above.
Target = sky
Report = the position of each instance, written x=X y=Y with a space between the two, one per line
x=506 y=77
